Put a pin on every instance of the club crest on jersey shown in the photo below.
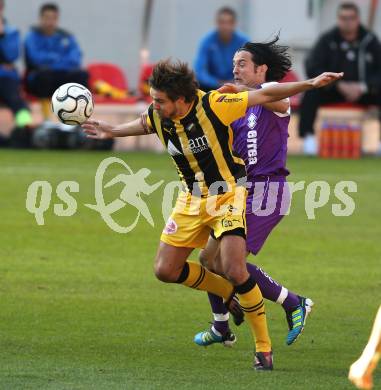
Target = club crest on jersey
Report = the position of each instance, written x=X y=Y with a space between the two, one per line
x=190 y=128
x=170 y=227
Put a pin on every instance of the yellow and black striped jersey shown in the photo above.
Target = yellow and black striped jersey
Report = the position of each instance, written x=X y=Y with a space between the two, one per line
x=201 y=143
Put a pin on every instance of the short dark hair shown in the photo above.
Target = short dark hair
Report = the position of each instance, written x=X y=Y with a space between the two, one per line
x=274 y=56
x=49 y=7
x=176 y=79
x=227 y=10
x=348 y=6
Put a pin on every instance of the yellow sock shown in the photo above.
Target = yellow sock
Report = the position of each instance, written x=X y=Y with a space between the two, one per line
x=46 y=108
x=200 y=278
x=254 y=309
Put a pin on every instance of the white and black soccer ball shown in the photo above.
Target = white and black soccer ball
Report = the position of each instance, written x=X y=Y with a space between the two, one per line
x=72 y=103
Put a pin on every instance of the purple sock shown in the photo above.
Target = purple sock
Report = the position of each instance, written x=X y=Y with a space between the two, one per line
x=271 y=289
x=291 y=301
x=220 y=313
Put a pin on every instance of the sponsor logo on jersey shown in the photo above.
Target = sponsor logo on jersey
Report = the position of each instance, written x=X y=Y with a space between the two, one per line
x=198 y=144
x=252 y=147
x=225 y=99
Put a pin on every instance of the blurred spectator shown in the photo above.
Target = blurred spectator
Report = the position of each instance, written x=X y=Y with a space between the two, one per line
x=348 y=47
x=213 y=64
x=52 y=55
x=10 y=91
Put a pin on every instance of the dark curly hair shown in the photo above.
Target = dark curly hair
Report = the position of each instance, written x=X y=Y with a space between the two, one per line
x=176 y=79
x=274 y=56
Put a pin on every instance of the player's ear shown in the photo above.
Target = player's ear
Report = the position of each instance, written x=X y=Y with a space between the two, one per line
x=263 y=68
x=181 y=100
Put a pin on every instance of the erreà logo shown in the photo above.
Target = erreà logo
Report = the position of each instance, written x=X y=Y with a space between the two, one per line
x=225 y=99
x=251 y=121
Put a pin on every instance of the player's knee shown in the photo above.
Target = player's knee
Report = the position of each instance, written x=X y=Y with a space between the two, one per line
x=203 y=259
x=165 y=273
x=236 y=275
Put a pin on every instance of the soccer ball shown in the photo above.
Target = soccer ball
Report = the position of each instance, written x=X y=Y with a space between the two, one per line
x=72 y=103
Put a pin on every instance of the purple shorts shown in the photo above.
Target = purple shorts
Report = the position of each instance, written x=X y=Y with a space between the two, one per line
x=267 y=202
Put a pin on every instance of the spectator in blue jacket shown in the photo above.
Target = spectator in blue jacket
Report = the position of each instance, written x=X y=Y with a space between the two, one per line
x=213 y=64
x=10 y=92
x=52 y=55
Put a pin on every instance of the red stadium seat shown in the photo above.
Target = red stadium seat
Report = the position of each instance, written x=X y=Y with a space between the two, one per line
x=24 y=90
x=294 y=100
x=113 y=75
x=145 y=74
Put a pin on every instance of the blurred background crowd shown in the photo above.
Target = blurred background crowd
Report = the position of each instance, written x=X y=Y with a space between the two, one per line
x=111 y=48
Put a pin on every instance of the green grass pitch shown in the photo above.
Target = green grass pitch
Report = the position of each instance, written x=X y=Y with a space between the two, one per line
x=80 y=307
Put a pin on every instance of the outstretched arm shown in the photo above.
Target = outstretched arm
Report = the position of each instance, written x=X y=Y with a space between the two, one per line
x=283 y=90
x=102 y=130
x=281 y=106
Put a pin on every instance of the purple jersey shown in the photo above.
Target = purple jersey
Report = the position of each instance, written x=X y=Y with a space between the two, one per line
x=260 y=139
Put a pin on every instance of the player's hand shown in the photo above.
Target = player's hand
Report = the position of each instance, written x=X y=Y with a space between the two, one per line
x=232 y=88
x=326 y=78
x=227 y=88
x=97 y=129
